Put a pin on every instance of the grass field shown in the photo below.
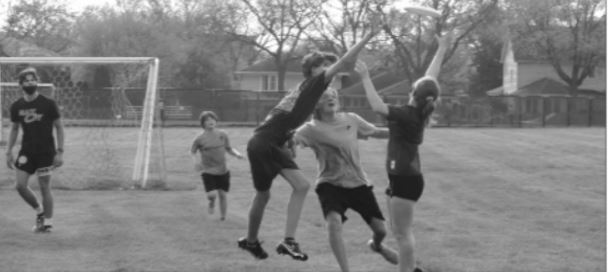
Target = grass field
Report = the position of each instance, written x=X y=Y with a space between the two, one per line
x=513 y=200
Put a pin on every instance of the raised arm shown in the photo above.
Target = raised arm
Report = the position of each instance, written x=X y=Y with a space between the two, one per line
x=376 y=102
x=434 y=67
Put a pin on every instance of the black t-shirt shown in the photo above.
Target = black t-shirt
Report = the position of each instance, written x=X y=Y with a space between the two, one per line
x=280 y=123
x=36 y=119
x=406 y=126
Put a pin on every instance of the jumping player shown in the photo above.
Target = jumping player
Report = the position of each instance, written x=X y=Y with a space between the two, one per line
x=213 y=144
x=269 y=157
x=406 y=126
x=36 y=115
x=342 y=183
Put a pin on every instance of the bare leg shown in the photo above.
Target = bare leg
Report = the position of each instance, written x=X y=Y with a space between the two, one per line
x=256 y=213
x=379 y=232
x=24 y=189
x=47 y=197
x=402 y=211
x=223 y=204
x=300 y=187
x=335 y=237
x=211 y=197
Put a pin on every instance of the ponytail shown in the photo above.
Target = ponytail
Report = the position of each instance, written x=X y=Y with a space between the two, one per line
x=427 y=109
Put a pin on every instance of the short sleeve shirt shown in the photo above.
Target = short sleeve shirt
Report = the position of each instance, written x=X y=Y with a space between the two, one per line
x=36 y=119
x=406 y=126
x=213 y=146
x=336 y=148
x=293 y=110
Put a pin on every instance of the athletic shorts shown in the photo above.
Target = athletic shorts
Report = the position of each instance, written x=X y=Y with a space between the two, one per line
x=266 y=161
x=338 y=199
x=216 y=182
x=407 y=187
x=41 y=164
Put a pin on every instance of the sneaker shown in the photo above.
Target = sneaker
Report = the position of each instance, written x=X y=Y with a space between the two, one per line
x=254 y=248
x=389 y=254
x=39 y=227
x=290 y=247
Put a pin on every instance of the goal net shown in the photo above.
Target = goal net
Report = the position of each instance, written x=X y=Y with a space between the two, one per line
x=113 y=138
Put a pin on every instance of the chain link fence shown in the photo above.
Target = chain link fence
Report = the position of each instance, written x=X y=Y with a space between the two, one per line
x=181 y=107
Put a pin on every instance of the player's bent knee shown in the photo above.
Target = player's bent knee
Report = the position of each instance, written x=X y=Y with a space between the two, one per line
x=334 y=222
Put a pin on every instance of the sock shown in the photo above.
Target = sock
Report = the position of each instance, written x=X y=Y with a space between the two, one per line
x=289 y=239
x=48 y=222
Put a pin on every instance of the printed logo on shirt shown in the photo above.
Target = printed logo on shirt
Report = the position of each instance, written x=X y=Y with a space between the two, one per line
x=30 y=115
x=392 y=164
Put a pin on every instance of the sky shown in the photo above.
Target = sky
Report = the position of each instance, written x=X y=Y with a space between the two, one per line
x=72 y=5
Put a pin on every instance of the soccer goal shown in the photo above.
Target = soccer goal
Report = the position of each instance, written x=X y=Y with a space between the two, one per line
x=109 y=109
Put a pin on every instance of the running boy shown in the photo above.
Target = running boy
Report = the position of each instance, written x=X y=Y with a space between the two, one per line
x=36 y=115
x=213 y=144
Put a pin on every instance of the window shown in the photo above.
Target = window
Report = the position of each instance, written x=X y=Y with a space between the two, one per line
x=269 y=83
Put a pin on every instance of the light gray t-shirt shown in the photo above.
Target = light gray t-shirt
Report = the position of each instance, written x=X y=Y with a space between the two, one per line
x=336 y=148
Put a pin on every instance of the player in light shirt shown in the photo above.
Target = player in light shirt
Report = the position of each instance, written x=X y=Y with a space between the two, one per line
x=341 y=182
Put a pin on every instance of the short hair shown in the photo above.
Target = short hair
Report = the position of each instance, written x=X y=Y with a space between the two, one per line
x=206 y=115
x=315 y=59
x=25 y=72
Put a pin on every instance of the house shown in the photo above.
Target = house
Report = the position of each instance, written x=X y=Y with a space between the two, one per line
x=262 y=76
x=518 y=73
x=533 y=90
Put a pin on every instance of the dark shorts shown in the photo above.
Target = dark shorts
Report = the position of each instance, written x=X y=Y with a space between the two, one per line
x=338 y=199
x=407 y=187
x=266 y=161
x=42 y=164
x=216 y=182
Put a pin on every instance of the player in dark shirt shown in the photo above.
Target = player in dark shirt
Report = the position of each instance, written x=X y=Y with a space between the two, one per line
x=269 y=156
x=36 y=115
x=406 y=126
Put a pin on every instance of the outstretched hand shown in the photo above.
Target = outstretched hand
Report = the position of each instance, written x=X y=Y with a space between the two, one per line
x=445 y=39
x=361 y=69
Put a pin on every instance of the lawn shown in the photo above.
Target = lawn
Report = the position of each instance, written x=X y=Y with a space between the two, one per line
x=495 y=200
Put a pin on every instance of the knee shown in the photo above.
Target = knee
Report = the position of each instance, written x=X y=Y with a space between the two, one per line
x=334 y=223
x=302 y=187
x=380 y=233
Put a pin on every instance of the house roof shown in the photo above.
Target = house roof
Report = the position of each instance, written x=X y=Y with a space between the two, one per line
x=11 y=47
x=268 y=65
x=543 y=87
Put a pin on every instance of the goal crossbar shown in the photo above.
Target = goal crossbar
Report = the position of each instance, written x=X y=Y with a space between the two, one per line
x=141 y=168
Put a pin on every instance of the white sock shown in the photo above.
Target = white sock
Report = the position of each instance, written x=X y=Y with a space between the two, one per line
x=48 y=222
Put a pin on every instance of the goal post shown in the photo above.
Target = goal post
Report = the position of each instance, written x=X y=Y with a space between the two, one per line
x=121 y=113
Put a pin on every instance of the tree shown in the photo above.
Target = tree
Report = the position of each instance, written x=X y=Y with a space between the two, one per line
x=413 y=35
x=569 y=34
x=486 y=43
x=280 y=27
x=45 y=23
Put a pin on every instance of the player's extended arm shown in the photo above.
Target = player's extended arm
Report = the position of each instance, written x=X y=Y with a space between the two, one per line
x=12 y=139
x=436 y=63
x=372 y=95
x=380 y=133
